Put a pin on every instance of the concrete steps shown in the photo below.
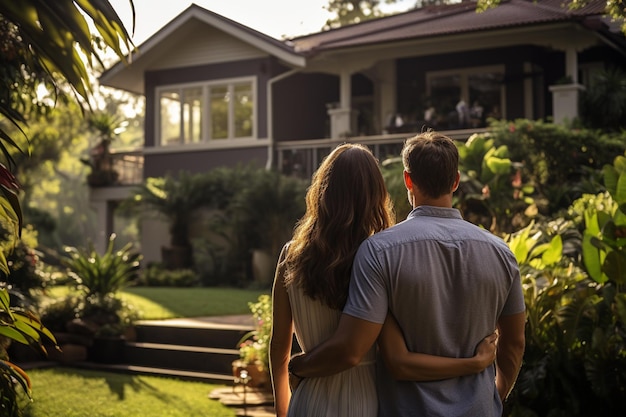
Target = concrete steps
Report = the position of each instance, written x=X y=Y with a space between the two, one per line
x=200 y=349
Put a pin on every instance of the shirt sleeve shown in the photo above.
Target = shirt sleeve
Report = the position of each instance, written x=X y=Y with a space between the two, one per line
x=367 y=296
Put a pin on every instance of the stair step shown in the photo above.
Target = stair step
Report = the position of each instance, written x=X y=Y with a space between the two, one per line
x=203 y=334
x=147 y=370
x=185 y=358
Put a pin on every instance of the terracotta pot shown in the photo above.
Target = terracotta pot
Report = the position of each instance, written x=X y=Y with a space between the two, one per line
x=257 y=375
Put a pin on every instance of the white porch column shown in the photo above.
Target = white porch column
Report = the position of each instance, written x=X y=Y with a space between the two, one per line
x=341 y=118
x=565 y=96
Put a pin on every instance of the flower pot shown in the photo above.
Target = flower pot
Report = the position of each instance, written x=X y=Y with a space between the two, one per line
x=107 y=350
x=257 y=375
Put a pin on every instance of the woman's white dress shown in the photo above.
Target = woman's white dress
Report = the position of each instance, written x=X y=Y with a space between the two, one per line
x=351 y=393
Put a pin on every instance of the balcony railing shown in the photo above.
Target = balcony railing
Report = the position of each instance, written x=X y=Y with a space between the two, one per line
x=124 y=168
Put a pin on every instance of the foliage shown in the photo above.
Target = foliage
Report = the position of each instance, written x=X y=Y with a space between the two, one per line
x=45 y=42
x=26 y=275
x=267 y=209
x=492 y=192
x=21 y=326
x=351 y=11
x=253 y=346
x=102 y=275
x=603 y=103
x=99 y=278
x=179 y=199
x=572 y=270
x=392 y=169
x=614 y=8
x=42 y=43
x=155 y=275
x=556 y=160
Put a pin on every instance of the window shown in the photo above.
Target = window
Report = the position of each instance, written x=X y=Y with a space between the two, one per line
x=208 y=112
x=464 y=98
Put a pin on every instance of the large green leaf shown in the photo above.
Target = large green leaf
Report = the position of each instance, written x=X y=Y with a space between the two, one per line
x=593 y=258
x=614 y=267
x=554 y=251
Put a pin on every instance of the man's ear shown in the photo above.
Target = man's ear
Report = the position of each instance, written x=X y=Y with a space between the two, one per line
x=407 y=181
x=457 y=181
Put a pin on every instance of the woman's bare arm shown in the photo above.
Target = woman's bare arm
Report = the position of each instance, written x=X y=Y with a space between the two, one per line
x=280 y=343
x=410 y=366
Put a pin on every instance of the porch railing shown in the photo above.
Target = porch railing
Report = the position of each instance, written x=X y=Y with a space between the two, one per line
x=301 y=158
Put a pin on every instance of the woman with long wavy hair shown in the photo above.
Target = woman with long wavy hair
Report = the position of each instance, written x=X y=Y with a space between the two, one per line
x=347 y=202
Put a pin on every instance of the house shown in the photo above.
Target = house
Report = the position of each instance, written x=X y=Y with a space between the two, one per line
x=219 y=93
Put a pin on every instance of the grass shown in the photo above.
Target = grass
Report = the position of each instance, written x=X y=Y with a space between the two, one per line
x=69 y=392
x=157 y=303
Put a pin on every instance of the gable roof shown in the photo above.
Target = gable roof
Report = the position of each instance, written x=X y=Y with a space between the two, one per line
x=423 y=25
x=130 y=76
x=436 y=21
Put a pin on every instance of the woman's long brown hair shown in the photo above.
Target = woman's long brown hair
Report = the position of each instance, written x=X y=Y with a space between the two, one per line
x=346 y=203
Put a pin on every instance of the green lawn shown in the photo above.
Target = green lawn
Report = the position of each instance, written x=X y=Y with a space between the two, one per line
x=68 y=392
x=155 y=303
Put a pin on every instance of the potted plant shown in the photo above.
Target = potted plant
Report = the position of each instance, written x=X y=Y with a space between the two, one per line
x=101 y=314
x=254 y=345
x=106 y=127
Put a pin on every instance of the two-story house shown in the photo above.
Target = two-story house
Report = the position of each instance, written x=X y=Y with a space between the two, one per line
x=219 y=93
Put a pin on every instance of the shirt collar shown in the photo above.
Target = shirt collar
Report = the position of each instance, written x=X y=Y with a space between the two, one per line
x=432 y=211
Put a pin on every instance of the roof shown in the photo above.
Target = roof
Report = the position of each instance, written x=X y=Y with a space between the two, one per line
x=435 y=21
x=120 y=76
x=424 y=24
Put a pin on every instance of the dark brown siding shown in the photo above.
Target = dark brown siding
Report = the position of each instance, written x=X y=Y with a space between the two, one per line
x=300 y=106
x=158 y=165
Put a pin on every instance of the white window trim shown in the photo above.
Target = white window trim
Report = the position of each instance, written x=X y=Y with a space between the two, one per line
x=206 y=142
x=464 y=73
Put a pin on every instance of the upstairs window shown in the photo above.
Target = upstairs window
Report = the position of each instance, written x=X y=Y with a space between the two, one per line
x=215 y=111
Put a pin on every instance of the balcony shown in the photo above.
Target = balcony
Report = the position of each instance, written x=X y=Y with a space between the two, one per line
x=120 y=168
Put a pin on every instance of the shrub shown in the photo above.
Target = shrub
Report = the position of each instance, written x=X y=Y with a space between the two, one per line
x=156 y=275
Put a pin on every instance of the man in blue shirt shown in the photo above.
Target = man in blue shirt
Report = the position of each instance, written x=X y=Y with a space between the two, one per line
x=447 y=282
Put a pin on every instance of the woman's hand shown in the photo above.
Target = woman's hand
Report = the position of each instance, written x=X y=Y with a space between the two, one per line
x=486 y=351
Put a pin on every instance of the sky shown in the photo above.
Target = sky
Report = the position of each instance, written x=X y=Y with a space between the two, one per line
x=277 y=18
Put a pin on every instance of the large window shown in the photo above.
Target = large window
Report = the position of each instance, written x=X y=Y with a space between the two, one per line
x=206 y=112
x=465 y=98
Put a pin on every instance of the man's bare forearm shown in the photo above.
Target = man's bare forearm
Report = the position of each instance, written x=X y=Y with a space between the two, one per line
x=345 y=349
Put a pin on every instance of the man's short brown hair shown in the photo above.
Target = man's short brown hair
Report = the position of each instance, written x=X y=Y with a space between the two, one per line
x=432 y=161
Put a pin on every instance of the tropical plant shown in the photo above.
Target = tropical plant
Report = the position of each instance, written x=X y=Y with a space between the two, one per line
x=21 y=326
x=557 y=160
x=491 y=192
x=106 y=127
x=178 y=199
x=268 y=208
x=574 y=281
x=102 y=275
x=99 y=278
x=603 y=103
x=43 y=44
x=392 y=169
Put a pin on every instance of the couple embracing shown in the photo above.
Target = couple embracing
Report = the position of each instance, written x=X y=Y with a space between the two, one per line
x=394 y=320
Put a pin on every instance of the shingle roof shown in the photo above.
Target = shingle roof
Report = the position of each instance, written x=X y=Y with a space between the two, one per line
x=446 y=20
